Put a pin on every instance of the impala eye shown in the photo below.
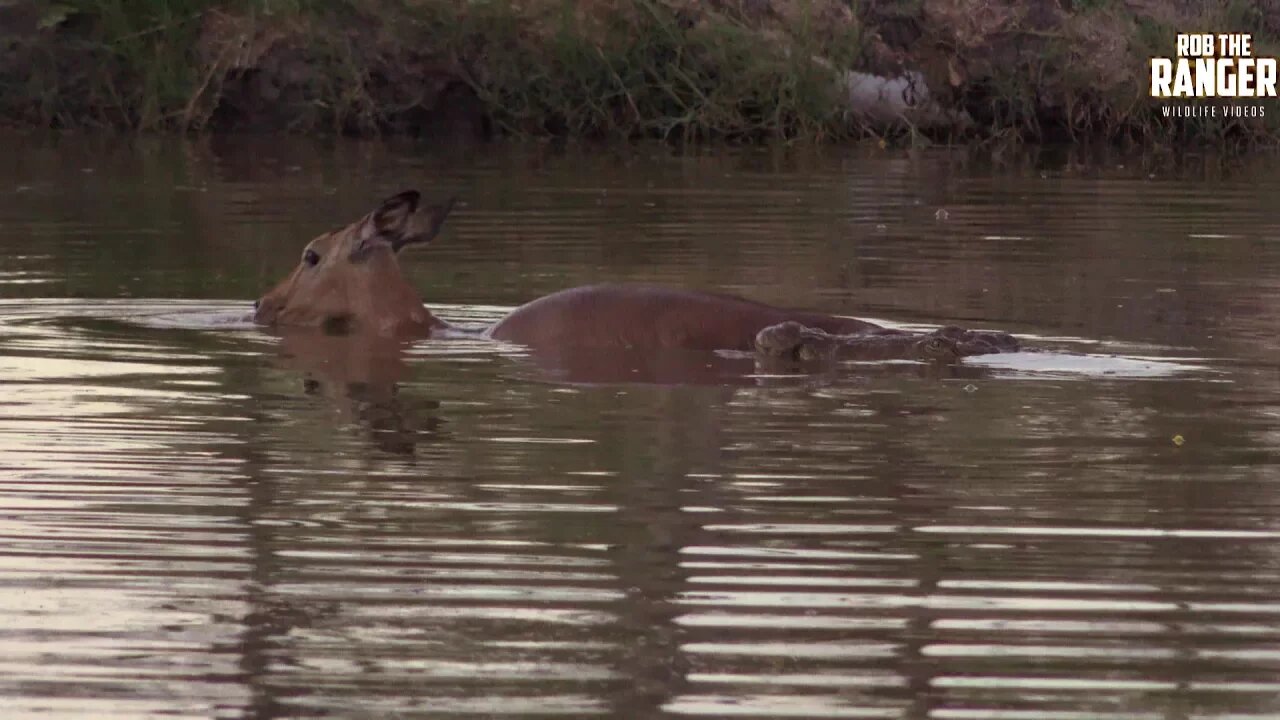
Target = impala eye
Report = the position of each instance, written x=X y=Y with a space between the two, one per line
x=311 y=257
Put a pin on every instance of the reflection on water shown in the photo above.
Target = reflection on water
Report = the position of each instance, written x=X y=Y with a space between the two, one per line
x=202 y=519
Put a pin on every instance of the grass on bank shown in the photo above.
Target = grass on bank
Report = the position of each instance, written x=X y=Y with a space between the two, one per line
x=676 y=69
x=652 y=71
x=616 y=69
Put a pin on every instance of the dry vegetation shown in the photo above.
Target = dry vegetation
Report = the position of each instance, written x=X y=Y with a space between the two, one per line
x=684 y=69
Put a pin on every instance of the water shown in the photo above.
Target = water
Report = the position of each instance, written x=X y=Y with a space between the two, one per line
x=200 y=519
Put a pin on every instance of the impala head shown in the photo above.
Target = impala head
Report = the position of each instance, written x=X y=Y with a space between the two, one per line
x=350 y=280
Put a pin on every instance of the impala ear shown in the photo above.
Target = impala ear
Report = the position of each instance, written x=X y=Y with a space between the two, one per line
x=397 y=222
x=424 y=226
x=393 y=217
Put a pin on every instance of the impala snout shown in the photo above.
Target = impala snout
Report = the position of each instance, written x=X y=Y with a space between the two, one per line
x=264 y=311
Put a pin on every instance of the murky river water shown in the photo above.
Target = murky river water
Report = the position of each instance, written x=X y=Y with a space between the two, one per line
x=200 y=519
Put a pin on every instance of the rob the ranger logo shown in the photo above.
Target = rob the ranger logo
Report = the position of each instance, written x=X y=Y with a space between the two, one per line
x=1213 y=65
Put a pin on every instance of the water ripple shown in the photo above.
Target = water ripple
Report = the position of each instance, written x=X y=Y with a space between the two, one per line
x=199 y=520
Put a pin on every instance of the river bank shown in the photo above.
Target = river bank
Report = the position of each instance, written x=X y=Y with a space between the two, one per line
x=949 y=70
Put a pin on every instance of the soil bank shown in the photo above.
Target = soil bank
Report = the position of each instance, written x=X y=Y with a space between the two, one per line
x=1042 y=70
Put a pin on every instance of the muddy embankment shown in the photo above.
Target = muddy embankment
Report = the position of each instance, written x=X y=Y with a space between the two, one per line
x=682 y=69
